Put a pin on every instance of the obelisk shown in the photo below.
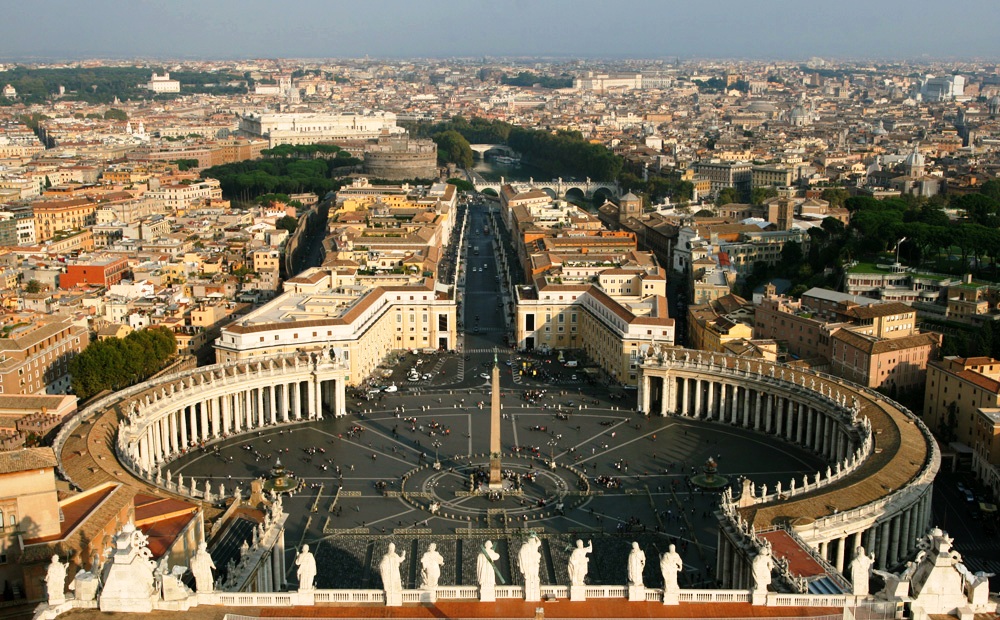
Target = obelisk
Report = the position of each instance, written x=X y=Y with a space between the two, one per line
x=496 y=482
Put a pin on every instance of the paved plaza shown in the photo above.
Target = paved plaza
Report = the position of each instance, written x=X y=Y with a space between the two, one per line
x=618 y=477
x=371 y=478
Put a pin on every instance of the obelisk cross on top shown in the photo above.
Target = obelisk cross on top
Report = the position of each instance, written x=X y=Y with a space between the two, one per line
x=496 y=482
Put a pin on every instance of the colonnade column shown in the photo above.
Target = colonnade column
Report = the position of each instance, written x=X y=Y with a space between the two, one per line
x=882 y=557
x=205 y=406
x=185 y=416
x=297 y=400
x=839 y=563
x=666 y=393
x=904 y=542
x=144 y=460
x=227 y=410
x=273 y=402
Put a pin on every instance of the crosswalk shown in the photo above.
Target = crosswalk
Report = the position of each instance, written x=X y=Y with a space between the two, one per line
x=487 y=330
x=496 y=350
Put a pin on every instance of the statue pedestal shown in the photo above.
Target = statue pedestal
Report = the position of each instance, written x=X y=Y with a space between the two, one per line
x=636 y=593
x=428 y=596
x=487 y=595
x=393 y=598
x=672 y=597
x=305 y=598
x=758 y=598
x=533 y=592
x=86 y=589
x=578 y=593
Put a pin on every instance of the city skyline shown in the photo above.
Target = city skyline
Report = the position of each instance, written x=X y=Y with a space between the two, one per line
x=62 y=30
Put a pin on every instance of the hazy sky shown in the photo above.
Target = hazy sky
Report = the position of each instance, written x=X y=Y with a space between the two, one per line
x=792 y=29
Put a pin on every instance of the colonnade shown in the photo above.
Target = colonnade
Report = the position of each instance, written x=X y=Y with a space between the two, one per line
x=177 y=415
x=804 y=419
x=833 y=419
x=892 y=538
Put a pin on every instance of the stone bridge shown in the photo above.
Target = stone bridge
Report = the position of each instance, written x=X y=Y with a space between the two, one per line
x=480 y=150
x=560 y=188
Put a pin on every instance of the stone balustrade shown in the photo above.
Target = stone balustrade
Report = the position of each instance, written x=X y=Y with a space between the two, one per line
x=454 y=593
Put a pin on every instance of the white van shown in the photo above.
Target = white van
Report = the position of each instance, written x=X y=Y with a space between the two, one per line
x=572 y=364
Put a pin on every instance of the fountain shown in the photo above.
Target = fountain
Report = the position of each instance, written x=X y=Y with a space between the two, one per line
x=710 y=477
x=280 y=480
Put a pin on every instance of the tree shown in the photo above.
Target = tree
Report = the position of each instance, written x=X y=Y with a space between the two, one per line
x=453 y=148
x=759 y=194
x=185 y=164
x=115 y=363
x=288 y=223
x=836 y=196
x=33 y=286
x=791 y=255
x=462 y=185
x=114 y=114
x=726 y=195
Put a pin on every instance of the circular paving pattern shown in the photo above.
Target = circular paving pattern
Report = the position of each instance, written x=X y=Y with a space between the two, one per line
x=533 y=489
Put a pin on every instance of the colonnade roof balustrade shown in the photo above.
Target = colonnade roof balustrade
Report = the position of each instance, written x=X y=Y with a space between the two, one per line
x=904 y=454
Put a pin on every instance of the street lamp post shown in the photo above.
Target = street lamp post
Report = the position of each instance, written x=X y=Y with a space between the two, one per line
x=437 y=462
x=898 y=243
x=552 y=453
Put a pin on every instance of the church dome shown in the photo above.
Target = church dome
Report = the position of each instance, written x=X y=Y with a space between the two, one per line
x=914 y=159
x=994 y=105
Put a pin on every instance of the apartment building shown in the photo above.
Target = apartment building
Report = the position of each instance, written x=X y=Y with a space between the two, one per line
x=61 y=215
x=180 y=196
x=35 y=354
x=876 y=345
x=957 y=387
x=723 y=174
x=99 y=272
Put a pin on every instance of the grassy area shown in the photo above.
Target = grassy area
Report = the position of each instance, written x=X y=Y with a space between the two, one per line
x=868 y=268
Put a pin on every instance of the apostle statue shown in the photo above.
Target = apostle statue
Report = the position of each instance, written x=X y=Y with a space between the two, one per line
x=201 y=567
x=761 y=567
x=388 y=568
x=55 y=581
x=578 y=562
x=430 y=568
x=636 y=564
x=861 y=571
x=306 y=571
x=529 y=559
x=670 y=565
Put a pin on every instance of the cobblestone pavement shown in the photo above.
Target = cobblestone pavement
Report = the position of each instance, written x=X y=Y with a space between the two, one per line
x=636 y=469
